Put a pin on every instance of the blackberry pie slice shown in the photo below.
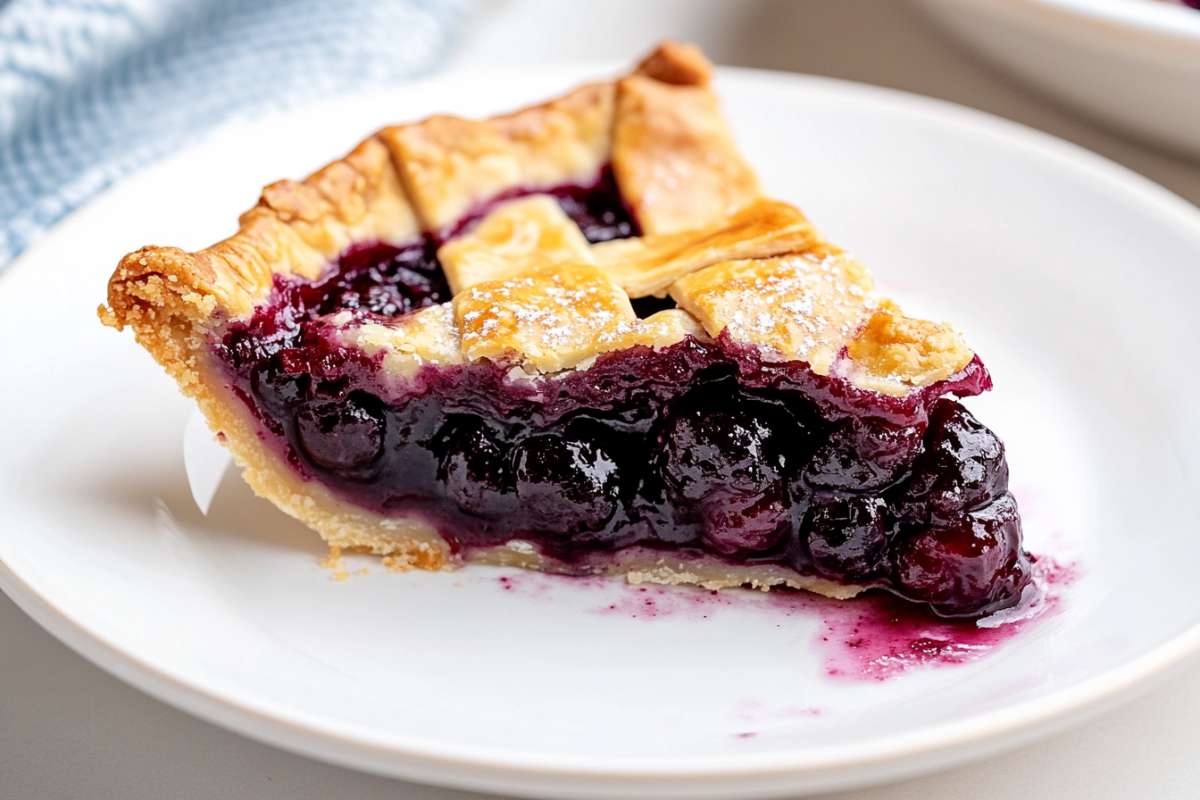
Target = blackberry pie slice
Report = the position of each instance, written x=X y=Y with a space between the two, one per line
x=577 y=338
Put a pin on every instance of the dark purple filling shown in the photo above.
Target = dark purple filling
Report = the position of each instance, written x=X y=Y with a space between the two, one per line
x=699 y=447
x=597 y=209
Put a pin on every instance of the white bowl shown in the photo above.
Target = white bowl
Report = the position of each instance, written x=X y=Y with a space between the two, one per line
x=1133 y=64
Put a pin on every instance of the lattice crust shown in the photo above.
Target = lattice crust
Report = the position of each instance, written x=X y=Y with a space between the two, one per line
x=423 y=178
x=528 y=287
x=668 y=147
x=763 y=277
x=553 y=318
x=651 y=264
x=450 y=165
x=673 y=154
x=518 y=236
x=796 y=308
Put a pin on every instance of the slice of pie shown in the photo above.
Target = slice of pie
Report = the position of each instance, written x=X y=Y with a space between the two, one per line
x=577 y=338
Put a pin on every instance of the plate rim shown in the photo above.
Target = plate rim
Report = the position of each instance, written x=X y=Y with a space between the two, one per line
x=404 y=756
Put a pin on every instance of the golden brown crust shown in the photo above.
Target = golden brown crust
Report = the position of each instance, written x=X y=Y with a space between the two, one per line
x=167 y=321
x=674 y=157
x=451 y=165
x=678 y=63
x=413 y=178
x=294 y=230
x=893 y=353
x=794 y=308
x=519 y=235
x=551 y=319
x=354 y=199
x=672 y=153
x=173 y=300
x=650 y=264
x=530 y=290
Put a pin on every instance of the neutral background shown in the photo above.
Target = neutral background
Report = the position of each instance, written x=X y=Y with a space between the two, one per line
x=68 y=730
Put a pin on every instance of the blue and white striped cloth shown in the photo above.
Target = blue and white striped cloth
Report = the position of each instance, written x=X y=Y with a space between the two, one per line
x=91 y=89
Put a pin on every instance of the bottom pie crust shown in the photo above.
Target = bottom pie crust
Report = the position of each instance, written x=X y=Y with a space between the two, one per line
x=645 y=565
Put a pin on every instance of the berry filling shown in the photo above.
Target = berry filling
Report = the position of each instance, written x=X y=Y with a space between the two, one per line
x=697 y=448
x=597 y=209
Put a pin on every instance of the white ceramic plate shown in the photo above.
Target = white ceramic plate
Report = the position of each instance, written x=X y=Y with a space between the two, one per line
x=1075 y=279
x=1134 y=64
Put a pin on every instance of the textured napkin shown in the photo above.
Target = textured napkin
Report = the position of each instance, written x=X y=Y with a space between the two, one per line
x=91 y=89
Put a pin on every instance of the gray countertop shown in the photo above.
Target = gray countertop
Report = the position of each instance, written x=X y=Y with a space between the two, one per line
x=68 y=730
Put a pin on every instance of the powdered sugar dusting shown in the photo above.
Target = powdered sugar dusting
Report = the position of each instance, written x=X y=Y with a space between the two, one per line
x=799 y=307
x=551 y=320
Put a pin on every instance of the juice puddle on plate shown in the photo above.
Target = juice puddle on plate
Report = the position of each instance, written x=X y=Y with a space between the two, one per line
x=873 y=637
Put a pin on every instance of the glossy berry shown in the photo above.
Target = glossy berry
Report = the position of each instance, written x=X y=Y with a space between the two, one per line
x=863 y=455
x=598 y=210
x=340 y=435
x=279 y=391
x=729 y=448
x=383 y=280
x=248 y=345
x=565 y=484
x=961 y=467
x=399 y=293
x=475 y=469
x=973 y=566
x=601 y=225
x=735 y=523
x=847 y=538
